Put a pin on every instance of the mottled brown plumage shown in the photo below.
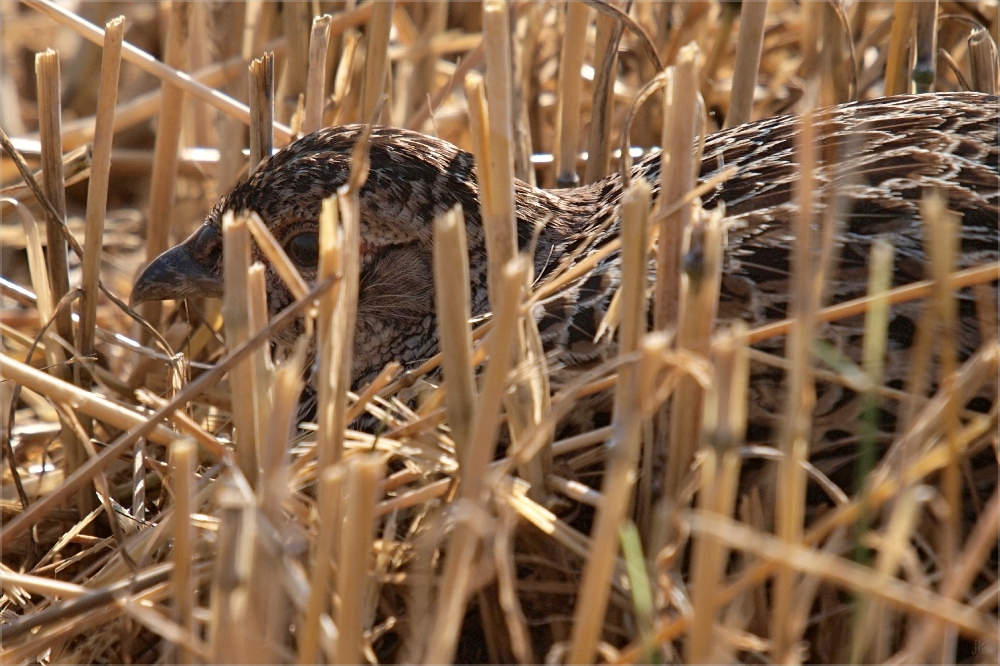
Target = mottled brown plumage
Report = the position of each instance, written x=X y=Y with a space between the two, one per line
x=888 y=153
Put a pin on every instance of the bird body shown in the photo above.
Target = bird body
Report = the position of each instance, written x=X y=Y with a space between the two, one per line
x=879 y=157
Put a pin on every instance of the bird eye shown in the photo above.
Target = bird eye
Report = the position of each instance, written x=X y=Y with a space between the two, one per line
x=303 y=249
x=208 y=246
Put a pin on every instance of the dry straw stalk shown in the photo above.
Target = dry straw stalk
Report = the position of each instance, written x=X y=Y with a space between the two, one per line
x=481 y=541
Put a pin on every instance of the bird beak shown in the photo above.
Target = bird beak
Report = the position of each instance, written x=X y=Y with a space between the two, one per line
x=190 y=269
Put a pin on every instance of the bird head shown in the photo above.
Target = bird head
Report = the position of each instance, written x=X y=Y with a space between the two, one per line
x=412 y=179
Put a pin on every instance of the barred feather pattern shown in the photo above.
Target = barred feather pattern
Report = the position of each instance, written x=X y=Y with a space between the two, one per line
x=877 y=160
x=878 y=157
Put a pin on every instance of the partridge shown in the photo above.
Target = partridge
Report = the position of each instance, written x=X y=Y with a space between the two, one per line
x=888 y=153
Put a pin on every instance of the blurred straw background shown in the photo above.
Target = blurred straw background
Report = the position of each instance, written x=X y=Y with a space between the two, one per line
x=136 y=531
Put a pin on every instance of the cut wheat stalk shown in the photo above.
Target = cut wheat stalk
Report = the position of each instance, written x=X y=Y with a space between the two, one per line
x=532 y=527
x=148 y=63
